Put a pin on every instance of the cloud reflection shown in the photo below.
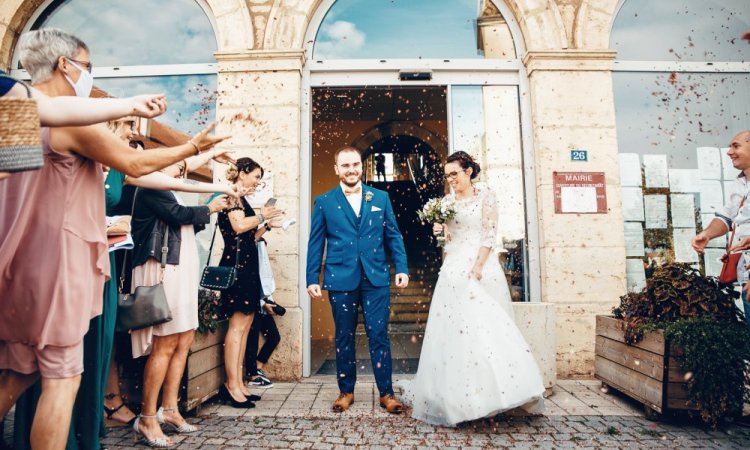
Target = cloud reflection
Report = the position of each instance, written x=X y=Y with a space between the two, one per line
x=137 y=32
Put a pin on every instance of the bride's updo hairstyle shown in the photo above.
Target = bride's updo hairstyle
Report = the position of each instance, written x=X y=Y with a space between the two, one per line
x=245 y=165
x=466 y=162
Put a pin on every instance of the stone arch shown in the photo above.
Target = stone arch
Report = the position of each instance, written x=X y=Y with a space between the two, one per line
x=388 y=129
x=230 y=18
x=540 y=22
x=593 y=23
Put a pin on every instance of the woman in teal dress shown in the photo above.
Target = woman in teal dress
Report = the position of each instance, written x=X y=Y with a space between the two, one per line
x=87 y=424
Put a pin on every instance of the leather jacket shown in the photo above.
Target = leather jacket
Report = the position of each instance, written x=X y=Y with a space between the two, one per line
x=154 y=212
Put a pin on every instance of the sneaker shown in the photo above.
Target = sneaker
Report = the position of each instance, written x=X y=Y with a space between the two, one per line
x=261 y=382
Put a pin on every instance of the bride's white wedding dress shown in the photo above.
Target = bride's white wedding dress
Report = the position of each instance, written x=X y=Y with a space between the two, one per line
x=474 y=362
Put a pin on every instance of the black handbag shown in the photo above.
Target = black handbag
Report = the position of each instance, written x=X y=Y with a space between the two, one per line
x=147 y=306
x=219 y=278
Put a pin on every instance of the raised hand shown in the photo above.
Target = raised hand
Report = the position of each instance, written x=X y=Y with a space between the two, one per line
x=204 y=141
x=223 y=156
x=219 y=203
x=270 y=212
x=149 y=106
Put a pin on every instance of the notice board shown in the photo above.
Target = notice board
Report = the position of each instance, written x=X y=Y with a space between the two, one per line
x=579 y=193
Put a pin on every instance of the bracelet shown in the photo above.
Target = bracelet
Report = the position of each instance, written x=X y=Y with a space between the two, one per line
x=261 y=217
x=195 y=146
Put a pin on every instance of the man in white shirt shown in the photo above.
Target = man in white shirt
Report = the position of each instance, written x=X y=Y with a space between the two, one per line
x=735 y=214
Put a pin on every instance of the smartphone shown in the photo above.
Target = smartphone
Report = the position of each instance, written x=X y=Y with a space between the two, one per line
x=271 y=202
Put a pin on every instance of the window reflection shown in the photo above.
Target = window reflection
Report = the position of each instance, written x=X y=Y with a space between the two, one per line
x=135 y=32
x=689 y=30
x=363 y=29
x=496 y=144
x=191 y=98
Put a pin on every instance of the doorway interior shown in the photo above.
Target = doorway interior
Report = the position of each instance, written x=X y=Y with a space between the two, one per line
x=402 y=133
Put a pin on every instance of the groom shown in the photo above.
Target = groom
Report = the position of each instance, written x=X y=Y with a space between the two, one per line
x=357 y=222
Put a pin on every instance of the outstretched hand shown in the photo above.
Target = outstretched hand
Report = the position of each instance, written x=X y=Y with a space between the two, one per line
x=204 y=141
x=149 y=106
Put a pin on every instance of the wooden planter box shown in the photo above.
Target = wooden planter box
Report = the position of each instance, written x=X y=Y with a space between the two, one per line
x=646 y=371
x=204 y=372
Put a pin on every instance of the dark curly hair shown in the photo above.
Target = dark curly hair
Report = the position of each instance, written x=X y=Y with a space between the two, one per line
x=466 y=162
x=245 y=165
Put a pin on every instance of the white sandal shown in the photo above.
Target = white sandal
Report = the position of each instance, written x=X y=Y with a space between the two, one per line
x=160 y=442
x=182 y=429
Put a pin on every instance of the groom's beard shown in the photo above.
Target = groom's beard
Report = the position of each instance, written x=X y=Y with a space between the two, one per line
x=351 y=185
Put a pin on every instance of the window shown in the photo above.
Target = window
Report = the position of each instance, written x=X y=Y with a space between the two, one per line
x=680 y=91
x=365 y=29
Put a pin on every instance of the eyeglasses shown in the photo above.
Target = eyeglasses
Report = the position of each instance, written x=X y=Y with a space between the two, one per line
x=451 y=176
x=88 y=65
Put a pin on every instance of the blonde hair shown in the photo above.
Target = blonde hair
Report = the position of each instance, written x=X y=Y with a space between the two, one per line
x=232 y=173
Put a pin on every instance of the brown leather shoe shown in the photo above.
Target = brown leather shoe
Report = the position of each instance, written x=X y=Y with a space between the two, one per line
x=391 y=405
x=343 y=402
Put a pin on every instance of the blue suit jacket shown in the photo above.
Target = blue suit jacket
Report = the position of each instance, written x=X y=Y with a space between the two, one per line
x=353 y=245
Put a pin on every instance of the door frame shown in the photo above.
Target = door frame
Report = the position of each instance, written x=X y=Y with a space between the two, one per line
x=385 y=72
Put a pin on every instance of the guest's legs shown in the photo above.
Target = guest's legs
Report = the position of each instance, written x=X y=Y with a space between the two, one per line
x=251 y=353
x=173 y=379
x=232 y=347
x=52 y=418
x=344 y=307
x=113 y=397
x=12 y=385
x=271 y=339
x=241 y=356
x=376 y=308
x=153 y=378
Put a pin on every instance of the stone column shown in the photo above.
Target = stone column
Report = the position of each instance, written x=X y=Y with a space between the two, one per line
x=582 y=255
x=259 y=105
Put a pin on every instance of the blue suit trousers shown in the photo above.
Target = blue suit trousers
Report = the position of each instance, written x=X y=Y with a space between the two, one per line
x=376 y=307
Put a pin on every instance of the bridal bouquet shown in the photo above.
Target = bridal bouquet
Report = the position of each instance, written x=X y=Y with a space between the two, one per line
x=438 y=210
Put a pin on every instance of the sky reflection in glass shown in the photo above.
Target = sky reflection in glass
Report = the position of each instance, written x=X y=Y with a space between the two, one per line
x=367 y=29
x=136 y=32
x=688 y=30
x=191 y=98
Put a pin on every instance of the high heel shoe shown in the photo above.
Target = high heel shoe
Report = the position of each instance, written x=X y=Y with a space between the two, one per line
x=160 y=442
x=111 y=422
x=227 y=397
x=182 y=429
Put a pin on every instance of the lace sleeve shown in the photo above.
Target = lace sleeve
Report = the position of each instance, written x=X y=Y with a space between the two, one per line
x=489 y=219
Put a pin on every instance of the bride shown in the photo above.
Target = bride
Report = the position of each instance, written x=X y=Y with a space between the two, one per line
x=474 y=362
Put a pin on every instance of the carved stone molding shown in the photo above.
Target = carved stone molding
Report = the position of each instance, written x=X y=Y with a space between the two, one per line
x=570 y=60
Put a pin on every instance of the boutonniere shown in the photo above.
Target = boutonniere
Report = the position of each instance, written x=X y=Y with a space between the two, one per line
x=368 y=196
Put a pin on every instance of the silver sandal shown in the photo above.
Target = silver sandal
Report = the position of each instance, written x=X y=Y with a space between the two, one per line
x=182 y=429
x=161 y=442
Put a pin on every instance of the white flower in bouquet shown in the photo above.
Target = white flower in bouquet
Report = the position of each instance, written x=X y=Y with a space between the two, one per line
x=438 y=210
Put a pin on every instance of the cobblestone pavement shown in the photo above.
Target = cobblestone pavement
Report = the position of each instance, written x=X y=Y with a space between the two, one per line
x=578 y=414
x=544 y=432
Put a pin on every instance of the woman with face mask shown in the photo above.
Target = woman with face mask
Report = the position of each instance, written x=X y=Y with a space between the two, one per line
x=53 y=241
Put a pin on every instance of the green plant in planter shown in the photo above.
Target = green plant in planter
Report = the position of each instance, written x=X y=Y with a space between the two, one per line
x=208 y=310
x=698 y=315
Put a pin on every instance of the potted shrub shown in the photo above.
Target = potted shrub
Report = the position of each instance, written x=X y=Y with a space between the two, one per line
x=679 y=344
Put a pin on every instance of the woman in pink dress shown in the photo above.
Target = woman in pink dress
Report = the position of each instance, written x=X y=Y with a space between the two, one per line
x=53 y=248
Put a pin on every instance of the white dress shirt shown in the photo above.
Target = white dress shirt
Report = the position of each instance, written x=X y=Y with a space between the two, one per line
x=355 y=200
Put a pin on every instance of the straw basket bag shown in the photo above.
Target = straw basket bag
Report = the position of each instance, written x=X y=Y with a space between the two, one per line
x=20 y=142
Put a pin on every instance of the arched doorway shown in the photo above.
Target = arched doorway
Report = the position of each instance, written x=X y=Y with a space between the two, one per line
x=368 y=88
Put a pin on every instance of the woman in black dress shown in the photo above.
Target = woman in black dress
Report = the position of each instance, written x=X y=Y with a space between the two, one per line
x=241 y=301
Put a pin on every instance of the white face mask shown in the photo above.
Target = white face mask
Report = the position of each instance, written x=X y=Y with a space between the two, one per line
x=84 y=84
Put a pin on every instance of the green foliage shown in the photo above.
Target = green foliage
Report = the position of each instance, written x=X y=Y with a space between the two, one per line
x=208 y=310
x=714 y=356
x=674 y=292
x=700 y=318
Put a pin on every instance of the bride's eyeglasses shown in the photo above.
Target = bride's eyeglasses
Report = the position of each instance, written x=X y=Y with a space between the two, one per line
x=451 y=176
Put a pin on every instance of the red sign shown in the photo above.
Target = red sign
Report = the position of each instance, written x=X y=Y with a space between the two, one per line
x=579 y=193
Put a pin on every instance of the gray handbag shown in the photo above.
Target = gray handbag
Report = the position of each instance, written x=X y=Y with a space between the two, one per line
x=147 y=306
